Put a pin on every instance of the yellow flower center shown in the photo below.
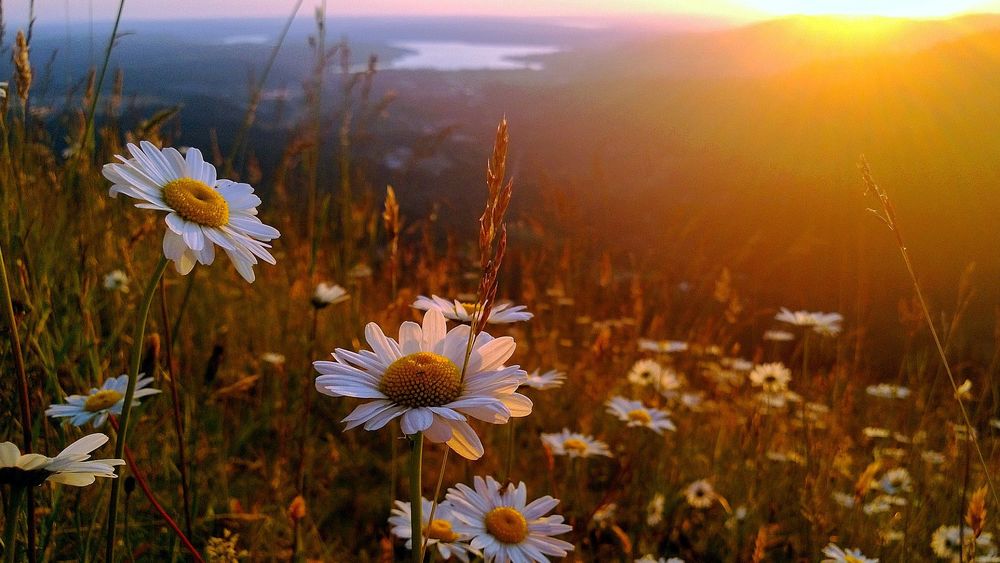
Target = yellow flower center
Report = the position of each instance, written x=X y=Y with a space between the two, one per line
x=197 y=202
x=506 y=524
x=423 y=379
x=470 y=308
x=640 y=415
x=105 y=398
x=440 y=530
x=575 y=445
x=851 y=559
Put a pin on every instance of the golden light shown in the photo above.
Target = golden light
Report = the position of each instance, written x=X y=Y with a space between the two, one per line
x=895 y=8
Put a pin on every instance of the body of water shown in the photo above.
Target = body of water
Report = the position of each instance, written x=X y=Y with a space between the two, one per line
x=458 y=55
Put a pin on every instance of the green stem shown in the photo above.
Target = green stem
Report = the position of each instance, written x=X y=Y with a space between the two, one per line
x=10 y=524
x=416 y=497
x=508 y=463
x=133 y=376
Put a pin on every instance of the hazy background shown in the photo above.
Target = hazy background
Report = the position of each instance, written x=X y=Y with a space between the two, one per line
x=680 y=137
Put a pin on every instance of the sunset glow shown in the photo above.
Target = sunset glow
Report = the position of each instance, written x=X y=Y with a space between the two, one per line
x=895 y=8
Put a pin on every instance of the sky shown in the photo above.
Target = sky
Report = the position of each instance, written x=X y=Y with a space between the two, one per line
x=58 y=11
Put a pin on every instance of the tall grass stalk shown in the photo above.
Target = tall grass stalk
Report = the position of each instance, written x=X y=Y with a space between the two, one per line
x=491 y=252
x=23 y=395
x=133 y=376
x=176 y=410
x=88 y=130
x=888 y=216
x=255 y=94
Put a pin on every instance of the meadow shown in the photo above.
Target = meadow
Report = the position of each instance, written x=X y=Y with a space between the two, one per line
x=672 y=420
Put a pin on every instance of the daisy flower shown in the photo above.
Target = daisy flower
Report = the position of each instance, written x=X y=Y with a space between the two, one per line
x=835 y=554
x=440 y=532
x=635 y=414
x=947 y=542
x=887 y=391
x=778 y=336
x=773 y=377
x=273 y=358
x=548 y=380
x=98 y=404
x=116 y=280
x=327 y=294
x=419 y=379
x=645 y=372
x=70 y=467
x=202 y=210
x=501 y=313
x=575 y=444
x=504 y=525
x=895 y=481
x=823 y=323
x=700 y=494
x=662 y=346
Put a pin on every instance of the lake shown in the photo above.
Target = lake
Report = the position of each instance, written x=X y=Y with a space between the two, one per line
x=458 y=55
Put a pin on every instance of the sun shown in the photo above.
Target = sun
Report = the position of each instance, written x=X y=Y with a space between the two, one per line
x=893 y=8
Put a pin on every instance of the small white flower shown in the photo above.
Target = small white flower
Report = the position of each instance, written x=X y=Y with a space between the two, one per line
x=116 y=280
x=895 y=481
x=645 y=372
x=501 y=313
x=327 y=294
x=662 y=346
x=548 y=380
x=947 y=542
x=835 y=554
x=504 y=525
x=778 y=336
x=772 y=377
x=888 y=391
x=823 y=323
x=636 y=414
x=843 y=499
x=574 y=444
x=700 y=494
x=440 y=532
x=273 y=358
x=70 y=467
x=98 y=404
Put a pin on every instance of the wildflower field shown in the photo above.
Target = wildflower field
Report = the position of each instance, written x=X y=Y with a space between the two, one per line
x=203 y=362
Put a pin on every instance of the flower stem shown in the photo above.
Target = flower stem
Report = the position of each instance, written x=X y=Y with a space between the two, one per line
x=178 y=419
x=133 y=375
x=416 y=497
x=509 y=461
x=24 y=397
x=10 y=524
x=141 y=480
